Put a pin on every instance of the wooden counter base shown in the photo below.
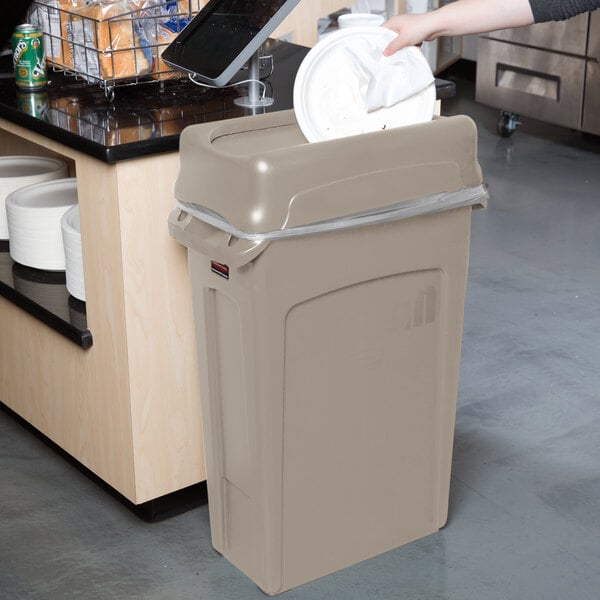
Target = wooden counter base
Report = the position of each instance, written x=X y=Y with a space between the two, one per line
x=128 y=407
x=153 y=510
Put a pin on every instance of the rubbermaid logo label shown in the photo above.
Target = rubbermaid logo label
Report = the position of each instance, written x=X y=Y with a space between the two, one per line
x=219 y=269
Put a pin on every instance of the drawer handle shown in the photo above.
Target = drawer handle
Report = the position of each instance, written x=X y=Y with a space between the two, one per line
x=528 y=82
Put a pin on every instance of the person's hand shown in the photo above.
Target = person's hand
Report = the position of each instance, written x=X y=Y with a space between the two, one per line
x=412 y=30
x=463 y=17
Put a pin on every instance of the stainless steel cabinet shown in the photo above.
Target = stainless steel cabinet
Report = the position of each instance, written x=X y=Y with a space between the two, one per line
x=537 y=83
x=548 y=71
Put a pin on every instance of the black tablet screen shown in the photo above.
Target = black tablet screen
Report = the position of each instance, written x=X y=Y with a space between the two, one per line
x=212 y=41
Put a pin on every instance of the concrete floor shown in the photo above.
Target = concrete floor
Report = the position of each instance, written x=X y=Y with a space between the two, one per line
x=525 y=497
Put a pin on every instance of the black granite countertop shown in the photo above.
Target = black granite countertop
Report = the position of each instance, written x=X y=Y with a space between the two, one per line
x=144 y=119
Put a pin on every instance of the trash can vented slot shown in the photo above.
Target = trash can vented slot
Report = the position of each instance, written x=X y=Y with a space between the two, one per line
x=476 y=196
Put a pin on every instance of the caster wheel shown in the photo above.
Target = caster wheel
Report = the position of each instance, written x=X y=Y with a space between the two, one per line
x=507 y=124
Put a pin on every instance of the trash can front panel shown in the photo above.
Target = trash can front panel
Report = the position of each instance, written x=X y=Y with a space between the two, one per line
x=349 y=366
x=362 y=391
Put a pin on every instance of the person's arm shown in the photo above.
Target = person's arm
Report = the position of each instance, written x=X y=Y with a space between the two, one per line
x=462 y=17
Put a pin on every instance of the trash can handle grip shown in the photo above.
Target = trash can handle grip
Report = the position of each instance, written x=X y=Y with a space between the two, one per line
x=219 y=245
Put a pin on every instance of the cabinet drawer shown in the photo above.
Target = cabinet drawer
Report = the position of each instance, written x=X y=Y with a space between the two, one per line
x=534 y=83
x=562 y=36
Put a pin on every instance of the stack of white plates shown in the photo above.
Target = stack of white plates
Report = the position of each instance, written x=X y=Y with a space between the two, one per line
x=20 y=171
x=34 y=214
x=71 y=232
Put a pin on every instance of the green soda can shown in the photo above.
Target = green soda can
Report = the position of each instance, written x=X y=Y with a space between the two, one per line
x=28 y=58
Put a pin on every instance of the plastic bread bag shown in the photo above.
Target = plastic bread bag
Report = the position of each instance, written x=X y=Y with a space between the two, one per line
x=169 y=21
x=161 y=33
x=189 y=7
x=53 y=18
x=165 y=33
x=108 y=42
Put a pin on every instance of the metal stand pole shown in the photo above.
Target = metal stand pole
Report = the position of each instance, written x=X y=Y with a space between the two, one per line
x=254 y=99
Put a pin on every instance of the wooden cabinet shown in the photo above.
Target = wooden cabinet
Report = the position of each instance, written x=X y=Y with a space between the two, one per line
x=127 y=408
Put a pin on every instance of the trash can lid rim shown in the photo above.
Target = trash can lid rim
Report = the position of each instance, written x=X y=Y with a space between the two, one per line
x=474 y=196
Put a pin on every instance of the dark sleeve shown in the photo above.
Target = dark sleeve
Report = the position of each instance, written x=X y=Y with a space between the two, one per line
x=558 y=10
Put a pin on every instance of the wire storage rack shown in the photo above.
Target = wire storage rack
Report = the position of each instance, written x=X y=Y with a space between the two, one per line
x=112 y=42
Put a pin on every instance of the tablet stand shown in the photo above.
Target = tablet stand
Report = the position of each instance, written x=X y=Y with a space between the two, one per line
x=254 y=99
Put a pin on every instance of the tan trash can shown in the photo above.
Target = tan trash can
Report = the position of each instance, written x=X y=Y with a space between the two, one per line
x=328 y=284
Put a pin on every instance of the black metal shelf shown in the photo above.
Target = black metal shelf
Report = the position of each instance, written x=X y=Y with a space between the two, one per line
x=44 y=295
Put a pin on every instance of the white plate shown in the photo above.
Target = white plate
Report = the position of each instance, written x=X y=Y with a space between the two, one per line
x=20 y=171
x=327 y=98
x=71 y=231
x=34 y=216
